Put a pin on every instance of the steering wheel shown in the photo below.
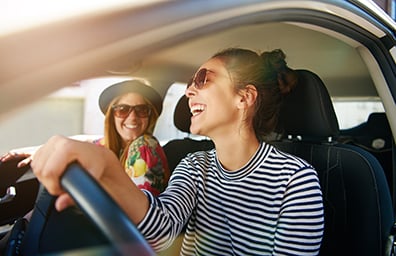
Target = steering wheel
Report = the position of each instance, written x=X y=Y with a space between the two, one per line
x=105 y=213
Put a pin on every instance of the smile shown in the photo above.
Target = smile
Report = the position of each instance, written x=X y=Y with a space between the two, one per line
x=131 y=126
x=197 y=109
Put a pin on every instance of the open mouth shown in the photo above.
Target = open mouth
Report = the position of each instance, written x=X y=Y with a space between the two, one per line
x=197 y=109
x=131 y=126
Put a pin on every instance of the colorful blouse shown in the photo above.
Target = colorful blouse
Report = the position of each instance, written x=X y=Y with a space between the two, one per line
x=146 y=164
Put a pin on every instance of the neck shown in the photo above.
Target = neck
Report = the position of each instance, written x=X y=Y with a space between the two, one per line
x=235 y=153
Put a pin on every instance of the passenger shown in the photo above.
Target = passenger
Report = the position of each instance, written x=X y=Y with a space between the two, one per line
x=244 y=197
x=131 y=111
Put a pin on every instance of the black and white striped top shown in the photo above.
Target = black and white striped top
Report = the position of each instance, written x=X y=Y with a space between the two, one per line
x=271 y=206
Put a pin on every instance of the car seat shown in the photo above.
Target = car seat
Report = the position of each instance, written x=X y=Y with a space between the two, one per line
x=357 y=202
x=375 y=136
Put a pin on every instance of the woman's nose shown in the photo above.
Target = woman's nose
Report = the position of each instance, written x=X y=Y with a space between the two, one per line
x=190 y=91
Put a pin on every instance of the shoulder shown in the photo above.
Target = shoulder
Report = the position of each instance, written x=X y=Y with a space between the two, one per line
x=146 y=140
x=285 y=166
x=287 y=160
x=199 y=161
x=203 y=156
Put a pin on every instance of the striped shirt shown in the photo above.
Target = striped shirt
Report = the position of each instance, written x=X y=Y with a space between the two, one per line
x=271 y=206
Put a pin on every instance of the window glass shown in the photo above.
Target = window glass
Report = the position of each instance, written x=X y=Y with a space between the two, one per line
x=165 y=129
x=354 y=112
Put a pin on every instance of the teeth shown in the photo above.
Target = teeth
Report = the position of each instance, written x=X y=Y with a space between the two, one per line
x=196 y=109
x=130 y=126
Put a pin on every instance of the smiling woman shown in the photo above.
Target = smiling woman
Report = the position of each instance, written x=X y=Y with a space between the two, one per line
x=131 y=110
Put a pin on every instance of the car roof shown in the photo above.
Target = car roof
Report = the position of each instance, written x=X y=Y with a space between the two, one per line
x=166 y=41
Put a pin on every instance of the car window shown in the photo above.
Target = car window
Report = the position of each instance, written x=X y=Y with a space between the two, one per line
x=165 y=129
x=351 y=113
x=59 y=113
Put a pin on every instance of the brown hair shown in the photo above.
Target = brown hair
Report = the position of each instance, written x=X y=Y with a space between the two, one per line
x=112 y=140
x=271 y=76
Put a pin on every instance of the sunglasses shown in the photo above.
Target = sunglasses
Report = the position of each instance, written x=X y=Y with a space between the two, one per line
x=123 y=110
x=199 y=80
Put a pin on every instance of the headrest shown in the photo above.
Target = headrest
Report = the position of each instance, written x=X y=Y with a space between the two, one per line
x=374 y=135
x=307 y=111
x=376 y=118
x=182 y=115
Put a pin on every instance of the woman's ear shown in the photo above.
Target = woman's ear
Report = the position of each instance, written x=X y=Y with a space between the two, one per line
x=248 y=96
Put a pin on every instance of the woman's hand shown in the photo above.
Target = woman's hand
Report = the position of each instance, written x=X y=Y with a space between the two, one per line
x=51 y=159
x=27 y=158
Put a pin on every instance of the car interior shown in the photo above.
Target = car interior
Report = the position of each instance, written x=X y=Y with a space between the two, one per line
x=352 y=181
x=335 y=60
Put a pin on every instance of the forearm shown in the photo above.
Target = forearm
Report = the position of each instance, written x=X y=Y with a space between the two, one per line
x=126 y=194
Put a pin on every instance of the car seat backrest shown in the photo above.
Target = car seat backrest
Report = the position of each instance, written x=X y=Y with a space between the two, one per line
x=375 y=136
x=357 y=202
x=177 y=149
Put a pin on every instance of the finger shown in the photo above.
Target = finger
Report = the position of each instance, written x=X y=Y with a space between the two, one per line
x=24 y=162
x=8 y=156
x=63 y=201
x=13 y=155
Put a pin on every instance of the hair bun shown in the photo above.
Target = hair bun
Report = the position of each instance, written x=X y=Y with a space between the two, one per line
x=275 y=61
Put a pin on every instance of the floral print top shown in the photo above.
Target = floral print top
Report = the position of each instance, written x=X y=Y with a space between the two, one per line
x=146 y=164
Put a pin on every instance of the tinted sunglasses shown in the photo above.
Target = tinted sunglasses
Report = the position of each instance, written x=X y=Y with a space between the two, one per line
x=199 y=80
x=123 y=110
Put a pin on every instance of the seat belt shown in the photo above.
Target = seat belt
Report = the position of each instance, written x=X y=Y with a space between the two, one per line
x=31 y=240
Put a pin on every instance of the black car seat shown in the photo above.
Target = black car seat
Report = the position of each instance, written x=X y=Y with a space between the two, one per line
x=176 y=149
x=357 y=202
x=375 y=136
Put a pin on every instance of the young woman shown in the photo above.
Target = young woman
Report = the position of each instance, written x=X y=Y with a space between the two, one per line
x=131 y=111
x=244 y=197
